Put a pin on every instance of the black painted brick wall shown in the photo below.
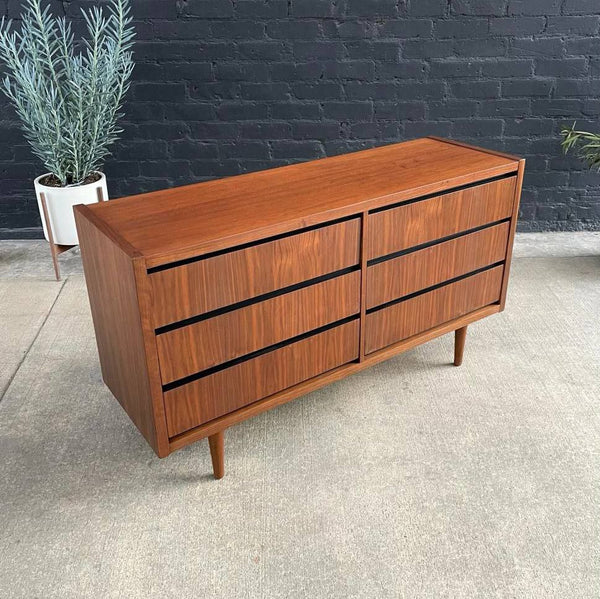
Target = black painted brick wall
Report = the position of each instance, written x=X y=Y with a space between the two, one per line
x=229 y=86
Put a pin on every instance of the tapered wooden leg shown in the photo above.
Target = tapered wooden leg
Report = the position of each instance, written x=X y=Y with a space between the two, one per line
x=50 y=236
x=55 y=261
x=217 y=453
x=459 y=345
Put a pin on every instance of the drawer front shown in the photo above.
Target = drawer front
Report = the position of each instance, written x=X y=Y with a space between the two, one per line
x=418 y=314
x=211 y=283
x=232 y=388
x=424 y=268
x=415 y=223
x=205 y=344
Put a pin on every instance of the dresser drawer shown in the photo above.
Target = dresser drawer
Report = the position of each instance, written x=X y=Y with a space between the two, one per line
x=227 y=278
x=417 y=314
x=229 y=389
x=409 y=273
x=201 y=345
x=411 y=224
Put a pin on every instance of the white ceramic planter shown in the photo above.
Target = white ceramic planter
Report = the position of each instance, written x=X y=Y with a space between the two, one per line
x=60 y=202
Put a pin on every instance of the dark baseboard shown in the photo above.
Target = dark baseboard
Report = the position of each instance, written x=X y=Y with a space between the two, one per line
x=523 y=226
x=25 y=233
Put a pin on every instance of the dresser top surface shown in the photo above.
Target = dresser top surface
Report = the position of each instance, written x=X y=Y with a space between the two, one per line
x=181 y=222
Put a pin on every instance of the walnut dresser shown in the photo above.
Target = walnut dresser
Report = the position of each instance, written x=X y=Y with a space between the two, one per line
x=216 y=301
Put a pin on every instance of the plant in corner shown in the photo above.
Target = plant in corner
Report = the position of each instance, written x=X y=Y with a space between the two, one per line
x=587 y=145
x=68 y=98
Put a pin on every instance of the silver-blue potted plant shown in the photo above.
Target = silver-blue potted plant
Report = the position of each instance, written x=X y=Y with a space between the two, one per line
x=68 y=98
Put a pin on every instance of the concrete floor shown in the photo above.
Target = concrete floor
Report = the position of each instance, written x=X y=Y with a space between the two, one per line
x=412 y=479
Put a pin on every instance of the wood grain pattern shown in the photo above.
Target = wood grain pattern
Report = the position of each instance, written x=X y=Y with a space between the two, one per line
x=121 y=239
x=419 y=222
x=413 y=316
x=424 y=268
x=227 y=390
x=217 y=214
x=291 y=393
x=207 y=343
x=199 y=287
x=111 y=284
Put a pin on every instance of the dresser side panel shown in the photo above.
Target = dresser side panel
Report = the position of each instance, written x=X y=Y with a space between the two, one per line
x=110 y=279
x=513 y=229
